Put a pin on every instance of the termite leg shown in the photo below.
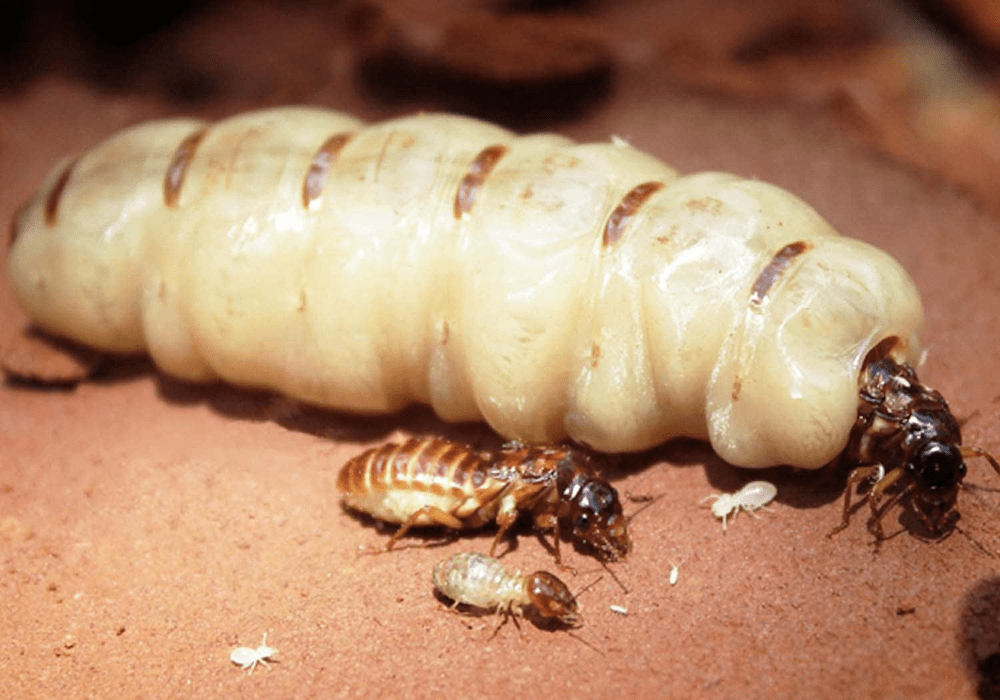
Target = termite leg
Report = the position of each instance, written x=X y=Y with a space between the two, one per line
x=968 y=451
x=875 y=500
x=857 y=476
x=548 y=522
x=506 y=517
x=507 y=614
x=434 y=514
x=557 y=554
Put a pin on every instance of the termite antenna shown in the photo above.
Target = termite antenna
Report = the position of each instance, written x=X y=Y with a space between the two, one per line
x=962 y=421
x=644 y=506
x=576 y=596
x=612 y=574
x=975 y=488
x=976 y=543
x=585 y=642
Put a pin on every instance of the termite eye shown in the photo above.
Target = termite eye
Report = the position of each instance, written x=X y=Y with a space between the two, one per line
x=583 y=521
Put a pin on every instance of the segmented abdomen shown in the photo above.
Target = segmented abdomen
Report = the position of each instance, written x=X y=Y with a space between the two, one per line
x=394 y=481
x=479 y=580
x=550 y=288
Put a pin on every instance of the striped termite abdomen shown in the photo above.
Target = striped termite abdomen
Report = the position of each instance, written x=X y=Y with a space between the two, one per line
x=394 y=481
x=432 y=481
x=90 y=223
x=553 y=289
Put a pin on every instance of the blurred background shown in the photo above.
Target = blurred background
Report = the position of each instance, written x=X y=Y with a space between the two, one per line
x=916 y=79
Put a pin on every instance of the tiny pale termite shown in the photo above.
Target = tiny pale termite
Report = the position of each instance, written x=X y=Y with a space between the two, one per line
x=432 y=481
x=751 y=498
x=248 y=657
x=482 y=581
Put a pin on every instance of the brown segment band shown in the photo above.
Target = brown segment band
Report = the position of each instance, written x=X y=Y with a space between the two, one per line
x=55 y=195
x=479 y=170
x=15 y=227
x=15 y=224
x=174 y=178
x=319 y=169
x=615 y=228
x=770 y=274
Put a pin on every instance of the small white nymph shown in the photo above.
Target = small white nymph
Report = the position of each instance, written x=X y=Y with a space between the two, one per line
x=248 y=658
x=752 y=497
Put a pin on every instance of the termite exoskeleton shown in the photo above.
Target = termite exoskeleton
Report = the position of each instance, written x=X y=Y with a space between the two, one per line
x=431 y=481
x=908 y=441
x=483 y=581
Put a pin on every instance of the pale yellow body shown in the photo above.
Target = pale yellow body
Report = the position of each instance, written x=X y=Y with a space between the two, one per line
x=376 y=294
x=479 y=580
x=397 y=505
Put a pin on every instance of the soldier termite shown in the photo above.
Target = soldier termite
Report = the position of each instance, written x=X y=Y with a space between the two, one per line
x=432 y=481
x=482 y=581
x=909 y=443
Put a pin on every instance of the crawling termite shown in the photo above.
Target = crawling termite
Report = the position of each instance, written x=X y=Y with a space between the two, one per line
x=908 y=443
x=483 y=582
x=432 y=481
x=751 y=498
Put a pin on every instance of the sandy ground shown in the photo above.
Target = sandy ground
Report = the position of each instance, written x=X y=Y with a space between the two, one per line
x=147 y=527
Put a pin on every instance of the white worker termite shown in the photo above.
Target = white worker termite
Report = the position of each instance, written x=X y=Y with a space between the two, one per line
x=752 y=497
x=248 y=658
x=482 y=581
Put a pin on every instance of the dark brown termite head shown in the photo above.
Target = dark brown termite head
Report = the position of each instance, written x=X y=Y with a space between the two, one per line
x=593 y=512
x=937 y=470
x=552 y=599
x=588 y=507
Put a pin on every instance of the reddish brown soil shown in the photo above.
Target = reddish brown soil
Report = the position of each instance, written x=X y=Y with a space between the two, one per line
x=148 y=527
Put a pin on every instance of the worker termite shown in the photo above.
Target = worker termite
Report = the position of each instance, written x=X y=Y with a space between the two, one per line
x=908 y=442
x=432 y=481
x=752 y=497
x=482 y=581
x=248 y=658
